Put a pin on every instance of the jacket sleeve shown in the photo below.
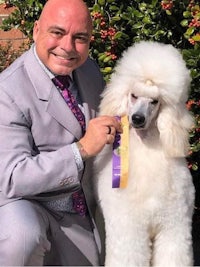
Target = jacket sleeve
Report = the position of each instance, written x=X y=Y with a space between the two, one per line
x=24 y=171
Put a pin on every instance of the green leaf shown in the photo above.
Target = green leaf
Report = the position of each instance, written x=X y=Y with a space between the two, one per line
x=96 y=8
x=107 y=70
x=195 y=73
x=114 y=8
x=186 y=14
x=118 y=35
x=137 y=14
x=116 y=18
x=147 y=20
x=184 y=23
x=194 y=167
x=125 y=17
x=106 y=59
x=102 y=56
x=137 y=25
x=190 y=31
x=101 y=2
x=196 y=38
x=168 y=12
x=143 y=6
x=154 y=2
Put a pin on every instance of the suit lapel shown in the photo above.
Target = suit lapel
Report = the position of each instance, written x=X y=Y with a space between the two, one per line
x=60 y=111
x=46 y=91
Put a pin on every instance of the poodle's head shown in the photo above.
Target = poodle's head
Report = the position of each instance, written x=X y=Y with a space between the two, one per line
x=150 y=84
x=142 y=111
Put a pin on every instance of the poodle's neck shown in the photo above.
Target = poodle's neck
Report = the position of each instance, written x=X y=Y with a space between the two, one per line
x=149 y=134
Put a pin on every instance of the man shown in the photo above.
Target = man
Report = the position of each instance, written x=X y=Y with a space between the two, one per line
x=45 y=154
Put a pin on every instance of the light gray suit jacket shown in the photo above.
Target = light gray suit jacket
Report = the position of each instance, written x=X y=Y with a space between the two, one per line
x=37 y=128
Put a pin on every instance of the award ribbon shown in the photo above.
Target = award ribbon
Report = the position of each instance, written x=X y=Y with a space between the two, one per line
x=121 y=156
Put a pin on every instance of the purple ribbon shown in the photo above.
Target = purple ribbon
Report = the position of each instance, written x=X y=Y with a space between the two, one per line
x=116 y=166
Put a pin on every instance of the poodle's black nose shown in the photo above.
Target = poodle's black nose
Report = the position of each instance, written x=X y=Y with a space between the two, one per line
x=138 y=120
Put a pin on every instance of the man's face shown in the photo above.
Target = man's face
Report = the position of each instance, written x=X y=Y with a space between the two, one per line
x=62 y=40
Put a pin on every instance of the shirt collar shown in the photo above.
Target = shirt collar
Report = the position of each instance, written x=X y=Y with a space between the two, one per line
x=48 y=72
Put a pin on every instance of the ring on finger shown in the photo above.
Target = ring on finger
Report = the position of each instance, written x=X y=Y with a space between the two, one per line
x=109 y=129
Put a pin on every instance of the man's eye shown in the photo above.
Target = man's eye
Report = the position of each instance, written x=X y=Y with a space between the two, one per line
x=56 y=33
x=82 y=39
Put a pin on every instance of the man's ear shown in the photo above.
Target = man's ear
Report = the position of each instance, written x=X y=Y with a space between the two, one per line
x=35 y=30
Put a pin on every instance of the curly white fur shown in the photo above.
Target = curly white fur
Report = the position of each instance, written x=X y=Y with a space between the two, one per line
x=149 y=222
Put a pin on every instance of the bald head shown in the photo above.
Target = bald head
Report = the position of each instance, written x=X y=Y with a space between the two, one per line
x=62 y=35
x=76 y=8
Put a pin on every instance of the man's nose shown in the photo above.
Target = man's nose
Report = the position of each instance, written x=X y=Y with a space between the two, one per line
x=67 y=43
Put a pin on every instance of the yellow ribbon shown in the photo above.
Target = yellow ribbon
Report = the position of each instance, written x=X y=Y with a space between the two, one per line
x=124 y=152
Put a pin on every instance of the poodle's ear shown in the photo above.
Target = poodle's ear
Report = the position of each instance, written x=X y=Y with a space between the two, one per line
x=174 y=124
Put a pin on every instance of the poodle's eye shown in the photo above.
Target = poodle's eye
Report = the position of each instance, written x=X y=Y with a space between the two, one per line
x=133 y=96
x=154 y=102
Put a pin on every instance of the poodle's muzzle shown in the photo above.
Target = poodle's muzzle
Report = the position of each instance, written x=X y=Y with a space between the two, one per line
x=142 y=110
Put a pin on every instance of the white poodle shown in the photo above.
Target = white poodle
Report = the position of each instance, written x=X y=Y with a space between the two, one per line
x=148 y=223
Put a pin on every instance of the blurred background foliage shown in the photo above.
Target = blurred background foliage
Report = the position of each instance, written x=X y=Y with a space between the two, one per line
x=117 y=25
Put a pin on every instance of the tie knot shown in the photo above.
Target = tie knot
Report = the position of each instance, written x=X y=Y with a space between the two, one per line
x=62 y=81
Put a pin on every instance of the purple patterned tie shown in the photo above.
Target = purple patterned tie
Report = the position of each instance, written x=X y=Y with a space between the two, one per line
x=63 y=83
x=79 y=202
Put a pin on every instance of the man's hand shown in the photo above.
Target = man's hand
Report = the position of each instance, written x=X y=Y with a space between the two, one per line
x=100 y=131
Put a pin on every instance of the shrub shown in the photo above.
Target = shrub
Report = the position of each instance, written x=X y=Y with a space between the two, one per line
x=8 y=54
